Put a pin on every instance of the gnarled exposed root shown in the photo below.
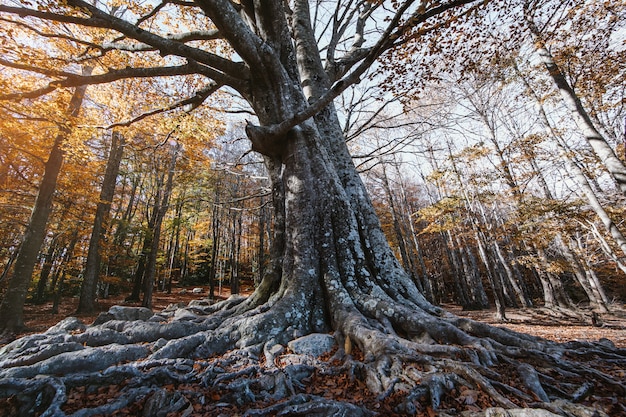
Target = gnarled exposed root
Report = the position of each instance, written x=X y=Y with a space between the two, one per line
x=398 y=362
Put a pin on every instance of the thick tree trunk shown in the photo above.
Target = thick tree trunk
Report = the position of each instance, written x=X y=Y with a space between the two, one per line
x=12 y=307
x=86 y=303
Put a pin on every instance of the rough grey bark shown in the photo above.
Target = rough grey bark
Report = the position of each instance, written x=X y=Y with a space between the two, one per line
x=86 y=302
x=12 y=307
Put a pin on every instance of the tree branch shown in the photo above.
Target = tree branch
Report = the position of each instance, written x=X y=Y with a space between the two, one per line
x=229 y=22
x=233 y=72
x=225 y=71
x=194 y=102
x=395 y=30
x=49 y=35
x=75 y=80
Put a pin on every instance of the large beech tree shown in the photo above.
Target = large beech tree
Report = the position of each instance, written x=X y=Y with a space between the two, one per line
x=331 y=266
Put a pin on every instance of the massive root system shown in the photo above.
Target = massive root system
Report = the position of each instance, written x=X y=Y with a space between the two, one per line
x=216 y=358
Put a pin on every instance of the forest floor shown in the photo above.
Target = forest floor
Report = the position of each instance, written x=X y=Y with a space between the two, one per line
x=537 y=322
x=334 y=383
x=561 y=327
x=38 y=317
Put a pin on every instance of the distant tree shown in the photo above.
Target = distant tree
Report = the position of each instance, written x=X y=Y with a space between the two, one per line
x=107 y=191
x=541 y=16
x=12 y=306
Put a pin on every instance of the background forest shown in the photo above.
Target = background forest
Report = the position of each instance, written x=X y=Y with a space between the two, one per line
x=485 y=182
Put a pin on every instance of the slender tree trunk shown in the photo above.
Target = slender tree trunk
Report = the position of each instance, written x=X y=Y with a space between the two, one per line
x=458 y=266
x=175 y=262
x=235 y=253
x=141 y=265
x=577 y=173
x=61 y=272
x=12 y=307
x=49 y=259
x=7 y=267
x=184 y=269
x=215 y=245
x=408 y=211
x=582 y=274
x=519 y=293
x=472 y=277
x=406 y=261
x=261 y=248
x=160 y=209
x=554 y=293
x=596 y=140
x=498 y=293
x=122 y=224
x=508 y=278
x=86 y=302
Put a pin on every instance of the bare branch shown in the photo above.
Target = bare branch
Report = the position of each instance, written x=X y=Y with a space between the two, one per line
x=225 y=71
x=75 y=80
x=194 y=102
x=395 y=31
x=49 y=35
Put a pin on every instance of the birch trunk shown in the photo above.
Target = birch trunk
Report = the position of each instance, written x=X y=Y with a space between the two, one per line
x=596 y=140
